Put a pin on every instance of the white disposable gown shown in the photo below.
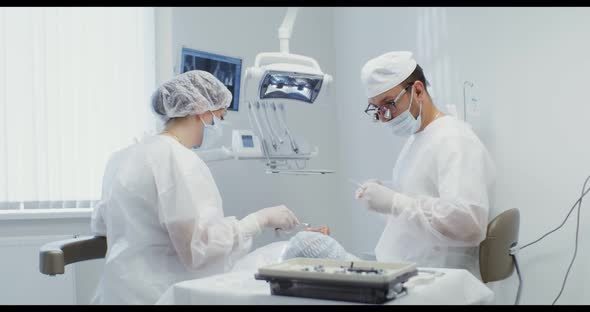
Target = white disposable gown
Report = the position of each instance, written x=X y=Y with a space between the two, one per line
x=162 y=215
x=447 y=175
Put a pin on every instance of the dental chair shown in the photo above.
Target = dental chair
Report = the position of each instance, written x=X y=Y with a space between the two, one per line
x=497 y=259
x=54 y=256
x=497 y=252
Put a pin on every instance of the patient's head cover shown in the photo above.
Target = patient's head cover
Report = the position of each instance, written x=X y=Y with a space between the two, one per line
x=315 y=245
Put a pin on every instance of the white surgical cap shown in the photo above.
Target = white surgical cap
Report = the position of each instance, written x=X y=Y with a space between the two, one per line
x=315 y=245
x=387 y=71
x=191 y=93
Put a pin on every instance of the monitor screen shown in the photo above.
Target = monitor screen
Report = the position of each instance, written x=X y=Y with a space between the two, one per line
x=227 y=69
x=247 y=141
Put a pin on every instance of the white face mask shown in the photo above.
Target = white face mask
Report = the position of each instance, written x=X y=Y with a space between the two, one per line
x=211 y=133
x=405 y=124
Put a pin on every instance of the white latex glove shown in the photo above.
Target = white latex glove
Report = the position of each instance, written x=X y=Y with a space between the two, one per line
x=277 y=217
x=378 y=197
x=359 y=192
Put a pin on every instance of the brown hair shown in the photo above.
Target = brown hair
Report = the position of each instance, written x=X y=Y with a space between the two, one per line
x=417 y=75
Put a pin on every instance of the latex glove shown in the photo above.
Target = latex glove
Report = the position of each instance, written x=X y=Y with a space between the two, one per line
x=277 y=217
x=359 y=192
x=378 y=197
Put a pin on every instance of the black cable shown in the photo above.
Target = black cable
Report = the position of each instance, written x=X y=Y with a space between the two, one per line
x=568 y=214
x=519 y=292
x=575 y=248
x=579 y=204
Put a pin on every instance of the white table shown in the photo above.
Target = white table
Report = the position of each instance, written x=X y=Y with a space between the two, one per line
x=239 y=287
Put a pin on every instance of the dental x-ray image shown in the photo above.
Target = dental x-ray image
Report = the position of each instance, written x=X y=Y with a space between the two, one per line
x=226 y=69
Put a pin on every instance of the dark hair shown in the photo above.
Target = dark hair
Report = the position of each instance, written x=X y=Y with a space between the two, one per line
x=417 y=75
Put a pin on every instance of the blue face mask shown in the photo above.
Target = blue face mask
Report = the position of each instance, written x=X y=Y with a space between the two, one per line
x=211 y=133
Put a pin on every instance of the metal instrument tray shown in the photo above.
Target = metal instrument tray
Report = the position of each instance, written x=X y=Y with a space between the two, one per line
x=355 y=281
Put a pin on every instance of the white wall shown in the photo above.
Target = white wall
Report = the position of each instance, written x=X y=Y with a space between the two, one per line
x=529 y=67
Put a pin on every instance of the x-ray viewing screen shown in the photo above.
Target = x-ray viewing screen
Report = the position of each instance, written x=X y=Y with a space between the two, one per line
x=247 y=141
x=226 y=69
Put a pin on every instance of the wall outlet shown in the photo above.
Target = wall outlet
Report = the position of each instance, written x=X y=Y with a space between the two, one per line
x=474 y=107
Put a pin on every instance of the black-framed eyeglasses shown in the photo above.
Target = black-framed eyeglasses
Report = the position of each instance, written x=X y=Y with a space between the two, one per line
x=388 y=108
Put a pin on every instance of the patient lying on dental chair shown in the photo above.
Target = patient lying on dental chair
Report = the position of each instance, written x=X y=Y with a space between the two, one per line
x=309 y=243
x=315 y=244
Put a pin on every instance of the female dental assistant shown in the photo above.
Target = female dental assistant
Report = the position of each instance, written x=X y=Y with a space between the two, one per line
x=161 y=210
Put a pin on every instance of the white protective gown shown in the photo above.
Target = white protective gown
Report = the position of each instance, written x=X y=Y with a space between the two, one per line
x=162 y=215
x=447 y=174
